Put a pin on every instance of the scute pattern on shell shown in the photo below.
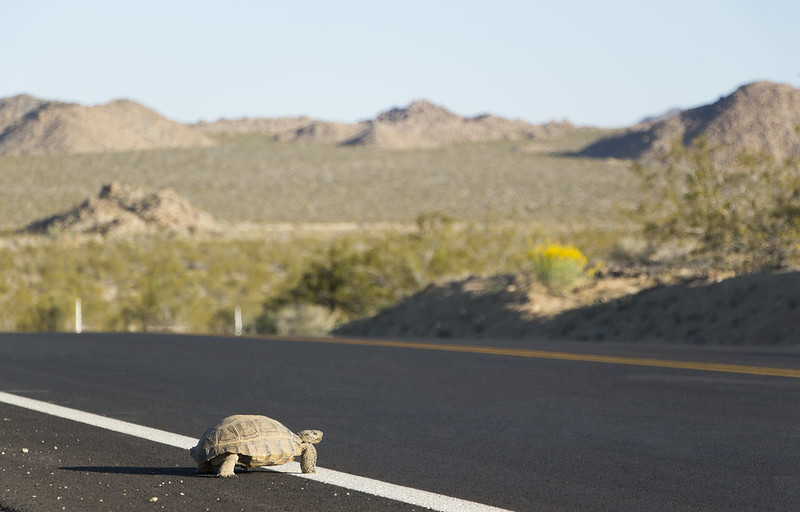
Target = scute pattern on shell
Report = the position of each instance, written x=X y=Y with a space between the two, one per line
x=267 y=441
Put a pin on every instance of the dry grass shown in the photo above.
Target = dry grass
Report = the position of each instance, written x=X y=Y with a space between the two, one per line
x=251 y=178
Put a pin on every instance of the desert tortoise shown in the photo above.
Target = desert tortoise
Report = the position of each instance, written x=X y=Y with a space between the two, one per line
x=253 y=441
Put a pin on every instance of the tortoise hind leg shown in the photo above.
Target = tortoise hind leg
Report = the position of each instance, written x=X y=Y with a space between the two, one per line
x=226 y=468
x=205 y=468
x=308 y=461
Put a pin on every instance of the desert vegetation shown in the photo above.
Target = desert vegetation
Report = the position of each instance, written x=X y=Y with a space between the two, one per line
x=284 y=283
x=731 y=209
x=307 y=236
x=558 y=266
x=695 y=208
x=411 y=217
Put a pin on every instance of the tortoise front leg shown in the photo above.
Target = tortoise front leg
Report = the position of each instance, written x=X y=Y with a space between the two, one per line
x=308 y=461
x=226 y=468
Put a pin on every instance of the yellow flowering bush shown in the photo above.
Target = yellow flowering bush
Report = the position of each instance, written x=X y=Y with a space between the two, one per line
x=557 y=266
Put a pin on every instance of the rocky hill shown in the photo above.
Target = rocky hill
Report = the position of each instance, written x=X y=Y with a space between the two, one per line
x=123 y=209
x=14 y=109
x=760 y=115
x=284 y=129
x=419 y=125
x=32 y=126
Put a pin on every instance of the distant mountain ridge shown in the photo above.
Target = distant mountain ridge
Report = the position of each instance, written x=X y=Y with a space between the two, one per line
x=421 y=124
x=760 y=115
x=30 y=125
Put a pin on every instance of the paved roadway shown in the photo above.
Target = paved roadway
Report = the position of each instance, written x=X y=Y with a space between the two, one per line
x=544 y=428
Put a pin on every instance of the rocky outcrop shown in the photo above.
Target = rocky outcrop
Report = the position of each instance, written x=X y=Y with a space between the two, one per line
x=128 y=209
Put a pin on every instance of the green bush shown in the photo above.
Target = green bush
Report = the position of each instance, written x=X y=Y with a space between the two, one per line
x=45 y=316
x=558 y=266
x=740 y=210
x=346 y=280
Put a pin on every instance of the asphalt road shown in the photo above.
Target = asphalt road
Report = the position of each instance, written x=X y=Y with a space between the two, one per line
x=519 y=432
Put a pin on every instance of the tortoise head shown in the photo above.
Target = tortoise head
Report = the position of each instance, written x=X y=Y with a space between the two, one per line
x=310 y=436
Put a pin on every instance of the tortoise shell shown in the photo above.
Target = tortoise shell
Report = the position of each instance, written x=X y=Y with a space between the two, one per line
x=258 y=440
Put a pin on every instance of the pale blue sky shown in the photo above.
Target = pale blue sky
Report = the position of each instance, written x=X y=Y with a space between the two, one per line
x=605 y=63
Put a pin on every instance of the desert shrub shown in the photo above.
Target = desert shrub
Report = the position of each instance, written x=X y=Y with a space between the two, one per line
x=161 y=291
x=46 y=316
x=741 y=210
x=297 y=319
x=441 y=248
x=346 y=280
x=220 y=321
x=558 y=266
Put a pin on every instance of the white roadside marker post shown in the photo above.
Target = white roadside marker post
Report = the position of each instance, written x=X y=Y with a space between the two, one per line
x=237 y=321
x=78 y=316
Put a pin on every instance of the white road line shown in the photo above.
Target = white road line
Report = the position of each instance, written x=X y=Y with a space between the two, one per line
x=132 y=429
x=408 y=495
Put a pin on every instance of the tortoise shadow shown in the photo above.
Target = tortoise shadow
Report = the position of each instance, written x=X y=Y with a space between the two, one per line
x=158 y=471
x=135 y=470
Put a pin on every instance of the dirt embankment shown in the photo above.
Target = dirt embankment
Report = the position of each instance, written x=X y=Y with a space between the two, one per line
x=758 y=309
